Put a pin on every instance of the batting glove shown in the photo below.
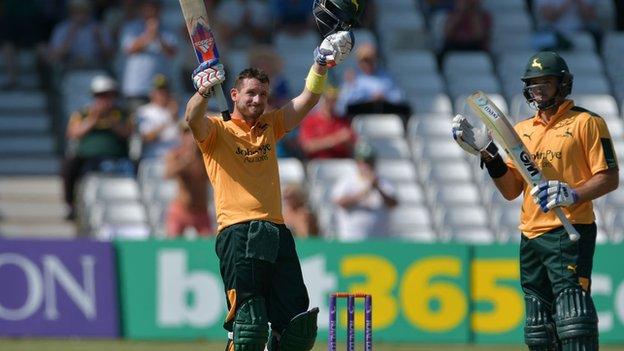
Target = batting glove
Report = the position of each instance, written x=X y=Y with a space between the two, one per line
x=207 y=75
x=553 y=193
x=334 y=48
x=471 y=140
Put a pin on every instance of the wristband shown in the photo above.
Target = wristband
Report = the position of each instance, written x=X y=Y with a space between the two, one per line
x=315 y=82
x=496 y=167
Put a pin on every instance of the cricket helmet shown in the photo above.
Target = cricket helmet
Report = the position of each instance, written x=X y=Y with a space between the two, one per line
x=336 y=15
x=548 y=63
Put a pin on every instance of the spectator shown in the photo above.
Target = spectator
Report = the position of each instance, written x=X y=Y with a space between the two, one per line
x=116 y=17
x=562 y=18
x=467 y=27
x=20 y=28
x=297 y=215
x=149 y=50
x=100 y=132
x=265 y=58
x=370 y=89
x=190 y=207
x=80 y=42
x=158 y=120
x=243 y=22
x=324 y=134
x=363 y=202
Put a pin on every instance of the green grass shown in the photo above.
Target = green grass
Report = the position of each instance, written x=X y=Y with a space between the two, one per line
x=122 y=345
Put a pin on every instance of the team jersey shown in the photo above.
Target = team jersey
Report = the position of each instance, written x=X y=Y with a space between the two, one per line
x=572 y=147
x=242 y=166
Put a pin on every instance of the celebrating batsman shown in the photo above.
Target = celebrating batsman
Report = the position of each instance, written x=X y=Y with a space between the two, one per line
x=572 y=147
x=258 y=262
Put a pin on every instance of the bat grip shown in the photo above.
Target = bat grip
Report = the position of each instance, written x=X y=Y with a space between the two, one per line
x=572 y=232
x=222 y=102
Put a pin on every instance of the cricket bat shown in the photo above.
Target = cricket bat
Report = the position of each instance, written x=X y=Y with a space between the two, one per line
x=198 y=26
x=505 y=135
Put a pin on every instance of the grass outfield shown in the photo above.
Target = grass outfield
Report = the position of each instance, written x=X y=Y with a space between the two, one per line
x=121 y=345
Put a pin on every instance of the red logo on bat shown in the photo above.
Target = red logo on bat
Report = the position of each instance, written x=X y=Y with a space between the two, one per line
x=204 y=42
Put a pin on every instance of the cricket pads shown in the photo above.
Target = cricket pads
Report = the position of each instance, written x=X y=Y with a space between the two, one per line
x=299 y=334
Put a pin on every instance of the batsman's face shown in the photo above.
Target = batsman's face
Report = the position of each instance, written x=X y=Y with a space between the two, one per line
x=543 y=88
x=251 y=99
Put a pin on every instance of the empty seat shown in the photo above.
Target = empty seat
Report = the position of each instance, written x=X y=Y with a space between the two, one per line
x=412 y=222
x=435 y=149
x=291 y=171
x=429 y=125
x=378 y=125
x=456 y=194
x=453 y=170
x=117 y=189
x=324 y=171
x=412 y=62
x=431 y=103
x=471 y=235
x=390 y=148
x=452 y=218
x=458 y=64
x=410 y=193
x=602 y=104
x=396 y=171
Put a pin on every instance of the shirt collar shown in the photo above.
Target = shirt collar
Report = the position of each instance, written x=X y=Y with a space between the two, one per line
x=563 y=108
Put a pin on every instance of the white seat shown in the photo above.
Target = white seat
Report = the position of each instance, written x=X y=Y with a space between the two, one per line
x=401 y=31
x=462 y=63
x=456 y=194
x=396 y=171
x=512 y=41
x=448 y=170
x=11 y=145
x=378 y=125
x=427 y=84
x=504 y=7
x=118 y=189
x=461 y=216
x=583 y=63
x=583 y=42
x=486 y=83
x=512 y=22
x=429 y=125
x=591 y=84
x=390 y=148
x=324 y=171
x=472 y=235
x=116 y=213
x=412 y=62
x=433 y=148
x=506 y=219
x=160 y=192
x=412 y=222
x=291 y=170
x=149 y=170
x=134 y=231
x=431 y=103
x=410 y=193
x=602 y=104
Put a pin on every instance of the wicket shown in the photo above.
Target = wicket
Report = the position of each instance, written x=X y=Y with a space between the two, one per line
x=368 y=320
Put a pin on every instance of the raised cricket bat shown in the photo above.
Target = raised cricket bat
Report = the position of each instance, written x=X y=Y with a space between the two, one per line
x=505 y=135
x=198 y=26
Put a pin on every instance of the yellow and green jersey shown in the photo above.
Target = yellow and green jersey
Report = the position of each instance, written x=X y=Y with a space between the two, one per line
x=241 y=163
x=573 y=146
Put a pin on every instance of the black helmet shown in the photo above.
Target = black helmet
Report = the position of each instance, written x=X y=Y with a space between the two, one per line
x=548 y=63
x=336 y=15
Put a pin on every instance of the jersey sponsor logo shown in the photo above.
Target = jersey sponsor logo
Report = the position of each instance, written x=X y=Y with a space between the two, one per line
x=528 y=136
x=547 y=155
x=261 y=153
x=566 y=134
x=528 y=164
x=536 y=64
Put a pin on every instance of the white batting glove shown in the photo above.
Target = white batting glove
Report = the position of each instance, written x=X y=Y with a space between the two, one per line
x=334 y=48
x=471 y=140
x=207 y=75
x=553 y=193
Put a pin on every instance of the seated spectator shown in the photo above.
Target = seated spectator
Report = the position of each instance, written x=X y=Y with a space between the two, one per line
x=100 y=135
x=370 y=89
x=467 y=27
x=297 y=215
x=158 y=121
x=80 y=42
x=363 y=202
x=243 y=22
x=189 y=209
x=563 y=18
x=149 y=49
x=324 y=133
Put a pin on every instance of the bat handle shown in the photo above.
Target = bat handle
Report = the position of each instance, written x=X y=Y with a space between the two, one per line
x=222 y=102
x=572 y=232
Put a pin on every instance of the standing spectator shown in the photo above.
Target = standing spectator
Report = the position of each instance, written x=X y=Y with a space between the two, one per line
x=149 y=50
x=363 y=202
x=370 y=89
x=243 y=22
x=467 y=27
x=324 y=133
x=80 y=41
x=189 y=209
x=158 y=120
x=297 y=214
x=100 y=132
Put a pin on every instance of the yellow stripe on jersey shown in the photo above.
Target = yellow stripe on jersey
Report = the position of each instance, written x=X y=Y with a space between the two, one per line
x=572 y=147
x=242 y=166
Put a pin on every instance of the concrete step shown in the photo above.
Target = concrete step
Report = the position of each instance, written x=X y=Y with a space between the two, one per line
x=20 y=229
x=30 y=165
x=30 y=188
x=36 y=212
x=32 y=123
x=23 y=100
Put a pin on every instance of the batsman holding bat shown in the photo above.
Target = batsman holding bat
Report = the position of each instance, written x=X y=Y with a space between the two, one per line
x=572 y=147
x=258 y=261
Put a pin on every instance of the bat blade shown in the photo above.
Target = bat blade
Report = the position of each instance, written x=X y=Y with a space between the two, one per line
x=504 y=133
x=203 y=41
